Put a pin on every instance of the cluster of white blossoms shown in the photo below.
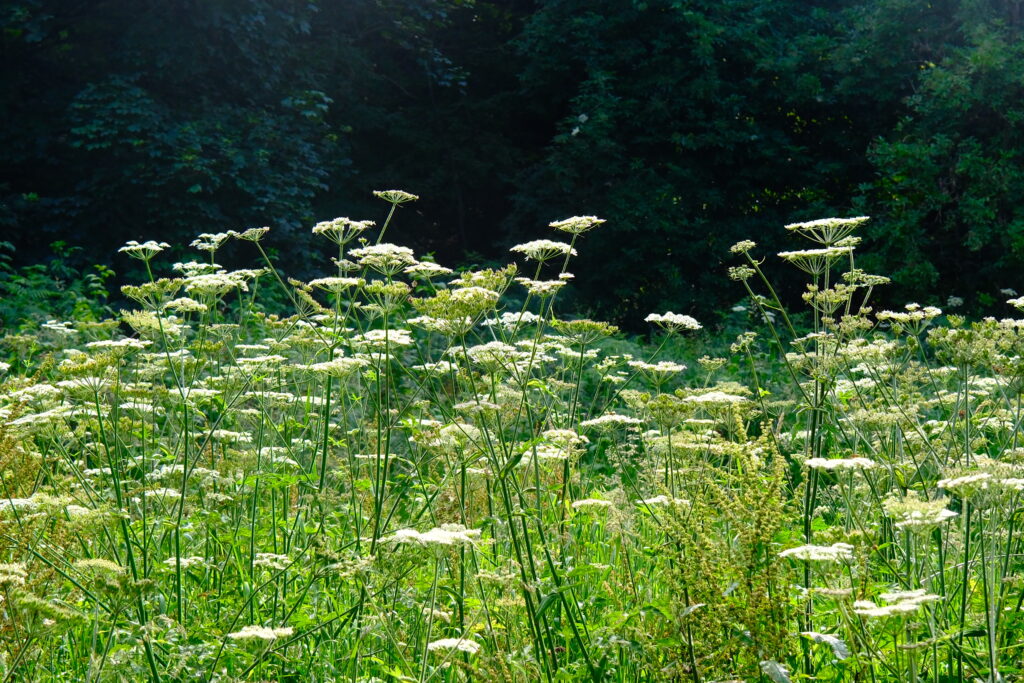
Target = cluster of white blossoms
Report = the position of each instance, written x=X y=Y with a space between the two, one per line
x=591 y=503
x=837 y=552
x=967 y=485
x=336 y=284
x=611 y=420
x=664 y=367
x=902 y=602
x=457 y=644
x=541 y=288
x=577 y=225
x=673 y=322
x=543 y=250
x=446 y=534
x=341 y=367
x=918 y=515
x=716 y=398
x=215 y=284
x=341 y=230
x=427 y=269
x=914 y=313
x=211 y=242
x=663 y=500
x=857 y=463
x=510 y=321
x=273 y=561
x=815 y=261
x=395 y=196
x=12 y=574
x=144 y=251
x=385 y=258
x=261 y=633
x=827 y=231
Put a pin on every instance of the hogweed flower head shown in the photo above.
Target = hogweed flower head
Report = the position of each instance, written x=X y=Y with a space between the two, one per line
x=261 y=633
x=815 y=261
x=920 y=516
x=577 y=225
x=458 y=644
x=145 y=251
x=252 y=234
x=211 y=242
x=543 y=250
x=342 y=230
x=903 y=602
x=837 y=552
x=395 y=196
x=444 y=535
x=742 y=247
x=387 y=259
x=857 y=463
x=673 y=322
x=827 y=231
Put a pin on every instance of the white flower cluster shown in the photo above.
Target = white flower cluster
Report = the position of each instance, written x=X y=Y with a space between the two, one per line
x=341 y=230
x=840 y=463
x=446 y=534
x=144 y=251
x=903 y=602
x=340 y=367
x=837 y=552
x=918 y=515
x=459 y=644
x=591 y=503
x=610 y=420
x=664 y=367
x=261 y=633
x=914 y=313
x=716 y=398
x=543 y=250
x=577 y=225
x=385 y=258
x=673 y=322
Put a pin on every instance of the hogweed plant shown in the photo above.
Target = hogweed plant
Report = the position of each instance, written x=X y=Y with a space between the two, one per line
x=425 y=475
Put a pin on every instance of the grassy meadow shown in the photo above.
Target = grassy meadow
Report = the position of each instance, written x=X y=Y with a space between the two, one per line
x=415 y=474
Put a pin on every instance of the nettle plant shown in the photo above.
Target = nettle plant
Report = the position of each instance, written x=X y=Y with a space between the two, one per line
x=428 y=475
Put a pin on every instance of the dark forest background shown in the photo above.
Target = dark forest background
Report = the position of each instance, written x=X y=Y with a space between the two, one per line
x=687 y=124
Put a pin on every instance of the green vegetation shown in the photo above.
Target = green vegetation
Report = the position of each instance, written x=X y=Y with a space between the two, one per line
x=424 y=475
x=688 y=124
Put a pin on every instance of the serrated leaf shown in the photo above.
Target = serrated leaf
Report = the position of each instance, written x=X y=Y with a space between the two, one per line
x=839 y=648
x=775 y=671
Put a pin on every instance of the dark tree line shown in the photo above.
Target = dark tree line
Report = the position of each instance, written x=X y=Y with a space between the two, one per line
x=687 y=124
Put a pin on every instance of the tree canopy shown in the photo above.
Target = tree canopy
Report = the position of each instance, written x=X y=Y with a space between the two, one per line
x=687 y=124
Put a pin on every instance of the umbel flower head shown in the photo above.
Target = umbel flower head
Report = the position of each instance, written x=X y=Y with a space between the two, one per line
x=395 y=196
x=673 y=322
x=837 y=552
x=385 y=258
x=902 y=602
x=261 y=633
x=543 y=250
x=458 y=644
x=815 y=261
x=144 y=251
x=341 y=230
x=827 y=231
x=577 y=225
x=252 y=234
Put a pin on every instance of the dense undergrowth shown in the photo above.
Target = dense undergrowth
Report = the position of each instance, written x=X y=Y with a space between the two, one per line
x=424 y=475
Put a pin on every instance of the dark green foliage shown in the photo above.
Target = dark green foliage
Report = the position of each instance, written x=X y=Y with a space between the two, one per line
x=59 y=288
x=687 y=124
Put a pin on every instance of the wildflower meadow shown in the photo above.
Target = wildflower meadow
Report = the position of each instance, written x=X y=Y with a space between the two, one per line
x=397 y=471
